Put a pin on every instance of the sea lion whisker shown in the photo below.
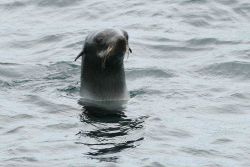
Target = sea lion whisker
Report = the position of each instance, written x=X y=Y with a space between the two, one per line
x=110 y=48
x=106 y=55
x=127 y=51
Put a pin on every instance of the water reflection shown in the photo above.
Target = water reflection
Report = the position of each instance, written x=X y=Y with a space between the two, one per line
x=106 y=134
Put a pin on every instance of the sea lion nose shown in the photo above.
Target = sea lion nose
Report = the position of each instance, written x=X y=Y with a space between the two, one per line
x=121 y=42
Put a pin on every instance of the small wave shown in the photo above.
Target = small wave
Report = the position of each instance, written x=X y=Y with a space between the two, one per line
x=15 y=130
x=9 y=71
x=137 y=92
x=159 y=39
x=194 y=2
x=22 y=116
x=47 y=105
x=201 y=152
x=118 y=147
x=66 y=65
x=13 y=83
x=142 y=73
x=70 y=89
x=74 y=45
x=4 y=84
x=242 y=95
x=62 y=70
x=7 y=64
x=179 y=133
x=198 y=22
x=228 y=109
x=50 y=38
x=227 y=2
x=222 y=141
x=22 y=159
x=40 y=77
x=234 y=69
x=243 y=10
x=210 y=41
x=14 y=5
x=12 y=75
x=56 y=3
x=142 y=91
x=33 y=42
x=172 y=48
x=108 y=132
x=62 y=126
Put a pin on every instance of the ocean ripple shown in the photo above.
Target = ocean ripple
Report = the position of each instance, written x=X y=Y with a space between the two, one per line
x=233 y=69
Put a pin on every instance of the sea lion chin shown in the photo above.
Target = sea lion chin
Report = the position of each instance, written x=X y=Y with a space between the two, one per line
x=103 y=81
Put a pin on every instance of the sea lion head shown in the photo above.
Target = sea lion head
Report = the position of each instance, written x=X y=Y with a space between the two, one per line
x=109 y=45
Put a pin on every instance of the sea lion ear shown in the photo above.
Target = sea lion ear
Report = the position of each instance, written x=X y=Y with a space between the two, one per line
x=125 y=34
x=81 y=54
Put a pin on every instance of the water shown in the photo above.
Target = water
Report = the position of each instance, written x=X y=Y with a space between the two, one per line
x=188 y=76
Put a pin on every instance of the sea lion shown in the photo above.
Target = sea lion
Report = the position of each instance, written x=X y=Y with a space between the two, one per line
x=103 y=81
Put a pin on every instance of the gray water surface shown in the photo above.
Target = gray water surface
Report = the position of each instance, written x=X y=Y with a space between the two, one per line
x=188 y=77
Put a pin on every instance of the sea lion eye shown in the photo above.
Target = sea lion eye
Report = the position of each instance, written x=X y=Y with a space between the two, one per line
x=99 y=39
